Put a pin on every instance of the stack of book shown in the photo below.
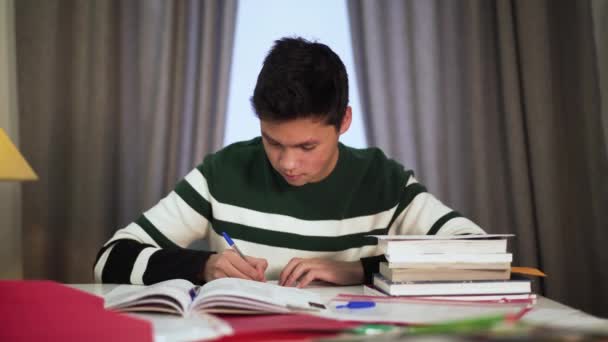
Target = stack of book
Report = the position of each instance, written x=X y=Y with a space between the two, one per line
x=447 y=265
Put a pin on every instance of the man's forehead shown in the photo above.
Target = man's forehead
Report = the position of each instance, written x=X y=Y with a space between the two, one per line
x=290 y=140
x=296 y=132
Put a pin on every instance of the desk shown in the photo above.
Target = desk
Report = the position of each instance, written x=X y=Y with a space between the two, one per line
x=168 y=328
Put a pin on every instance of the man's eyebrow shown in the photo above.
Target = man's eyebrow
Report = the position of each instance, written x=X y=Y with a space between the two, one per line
x=308 y=143
x=305 y=143
x=267 y=137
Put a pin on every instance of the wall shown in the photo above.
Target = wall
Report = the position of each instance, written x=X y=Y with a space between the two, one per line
x=322 y=20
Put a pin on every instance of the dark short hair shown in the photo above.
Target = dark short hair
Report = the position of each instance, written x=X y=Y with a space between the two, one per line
x=300 y=79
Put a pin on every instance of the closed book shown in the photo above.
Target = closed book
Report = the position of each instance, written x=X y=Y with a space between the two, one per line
x=443 y=237
x=450 y=265
x=440 y=273
x=451 y=258
x=453 y=246
x=441 y=288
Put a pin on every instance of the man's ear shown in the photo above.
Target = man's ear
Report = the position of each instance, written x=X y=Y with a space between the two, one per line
x=346 y=120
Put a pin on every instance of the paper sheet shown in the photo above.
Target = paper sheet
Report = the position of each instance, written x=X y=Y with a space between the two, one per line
x=417 y=313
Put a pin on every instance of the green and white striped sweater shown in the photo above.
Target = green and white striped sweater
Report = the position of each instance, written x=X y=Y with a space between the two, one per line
x=237 y=191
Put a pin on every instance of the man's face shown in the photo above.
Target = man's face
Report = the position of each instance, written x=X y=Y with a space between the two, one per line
x=302 y=150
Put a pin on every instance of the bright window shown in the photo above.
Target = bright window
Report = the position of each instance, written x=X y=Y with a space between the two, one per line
x=259 y=24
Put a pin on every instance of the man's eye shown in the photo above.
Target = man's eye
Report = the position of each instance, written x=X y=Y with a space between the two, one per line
x=308 y=148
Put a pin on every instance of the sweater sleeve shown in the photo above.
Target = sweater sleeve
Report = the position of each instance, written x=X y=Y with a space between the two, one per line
x=153 y=248
x=420 y=213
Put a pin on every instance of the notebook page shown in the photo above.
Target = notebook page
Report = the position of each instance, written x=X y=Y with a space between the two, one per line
x=128 y=295
x=263 y=292
x=418 y=312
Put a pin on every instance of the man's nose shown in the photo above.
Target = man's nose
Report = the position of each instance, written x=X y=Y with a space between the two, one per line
x=287 y=160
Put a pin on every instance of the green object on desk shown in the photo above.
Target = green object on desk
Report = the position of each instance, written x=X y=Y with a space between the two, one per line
x=372 y=329
x=465 y=326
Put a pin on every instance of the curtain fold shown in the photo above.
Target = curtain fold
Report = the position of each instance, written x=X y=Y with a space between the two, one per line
x=10 y=192
x=599 y=8
x=496 y=106
x=118 y=100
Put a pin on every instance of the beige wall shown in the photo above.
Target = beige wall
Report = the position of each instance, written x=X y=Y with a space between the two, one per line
x=10 y=193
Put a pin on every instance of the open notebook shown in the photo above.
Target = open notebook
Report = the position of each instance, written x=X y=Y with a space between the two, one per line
x=225 y=295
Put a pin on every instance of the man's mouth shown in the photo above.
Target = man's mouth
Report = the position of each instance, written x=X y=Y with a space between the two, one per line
x=291 y=177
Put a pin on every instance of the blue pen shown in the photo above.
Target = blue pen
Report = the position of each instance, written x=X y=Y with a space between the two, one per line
x=233 y=245
x=357 y=305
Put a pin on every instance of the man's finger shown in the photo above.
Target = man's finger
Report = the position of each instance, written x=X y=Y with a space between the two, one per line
x=308 y=278
x=298 y=271
x=288 y=270
x=218 y=274
x=260 y=264
x=262 y=269
x=242 y=265
x=322 y=274
x=232 y=271
x=264 y=264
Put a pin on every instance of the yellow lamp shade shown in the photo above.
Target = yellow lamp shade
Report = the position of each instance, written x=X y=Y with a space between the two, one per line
x=12 y=164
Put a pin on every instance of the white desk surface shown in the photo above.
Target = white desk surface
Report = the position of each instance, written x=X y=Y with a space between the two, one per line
x=169 y=328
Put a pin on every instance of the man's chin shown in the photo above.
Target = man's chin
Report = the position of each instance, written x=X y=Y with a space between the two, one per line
x=297 y=181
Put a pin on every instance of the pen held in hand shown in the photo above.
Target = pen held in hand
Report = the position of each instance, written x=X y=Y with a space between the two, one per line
x=233 y=245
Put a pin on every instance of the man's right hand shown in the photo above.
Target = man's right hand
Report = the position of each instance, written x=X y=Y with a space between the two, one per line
x=229 y=264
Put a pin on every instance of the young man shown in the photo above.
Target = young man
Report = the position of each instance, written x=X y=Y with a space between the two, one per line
x=297 y=202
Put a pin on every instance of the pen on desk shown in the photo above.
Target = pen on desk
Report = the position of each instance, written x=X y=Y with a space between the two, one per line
x=357 y=305
x=233 y=245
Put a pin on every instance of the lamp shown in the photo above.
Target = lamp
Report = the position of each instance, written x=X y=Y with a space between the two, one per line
x=13 y=166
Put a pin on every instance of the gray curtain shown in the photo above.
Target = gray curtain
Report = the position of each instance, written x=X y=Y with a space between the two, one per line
x=496 y=106
x=118 y=100
x=10 y=192
x=599 y=8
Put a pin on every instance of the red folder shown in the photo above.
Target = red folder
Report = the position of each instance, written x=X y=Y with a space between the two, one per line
x=14 y=292
x=283 y=327
x=49 y=311
x=279 y=336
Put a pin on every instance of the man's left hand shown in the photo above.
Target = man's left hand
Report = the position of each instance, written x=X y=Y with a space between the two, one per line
x=302 y=272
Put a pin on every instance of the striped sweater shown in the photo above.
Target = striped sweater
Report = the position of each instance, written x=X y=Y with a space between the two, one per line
x=237 y=191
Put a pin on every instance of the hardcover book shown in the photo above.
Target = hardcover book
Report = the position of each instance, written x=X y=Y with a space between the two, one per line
x=438 y=244
x=442 y=273
x=514 y=285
